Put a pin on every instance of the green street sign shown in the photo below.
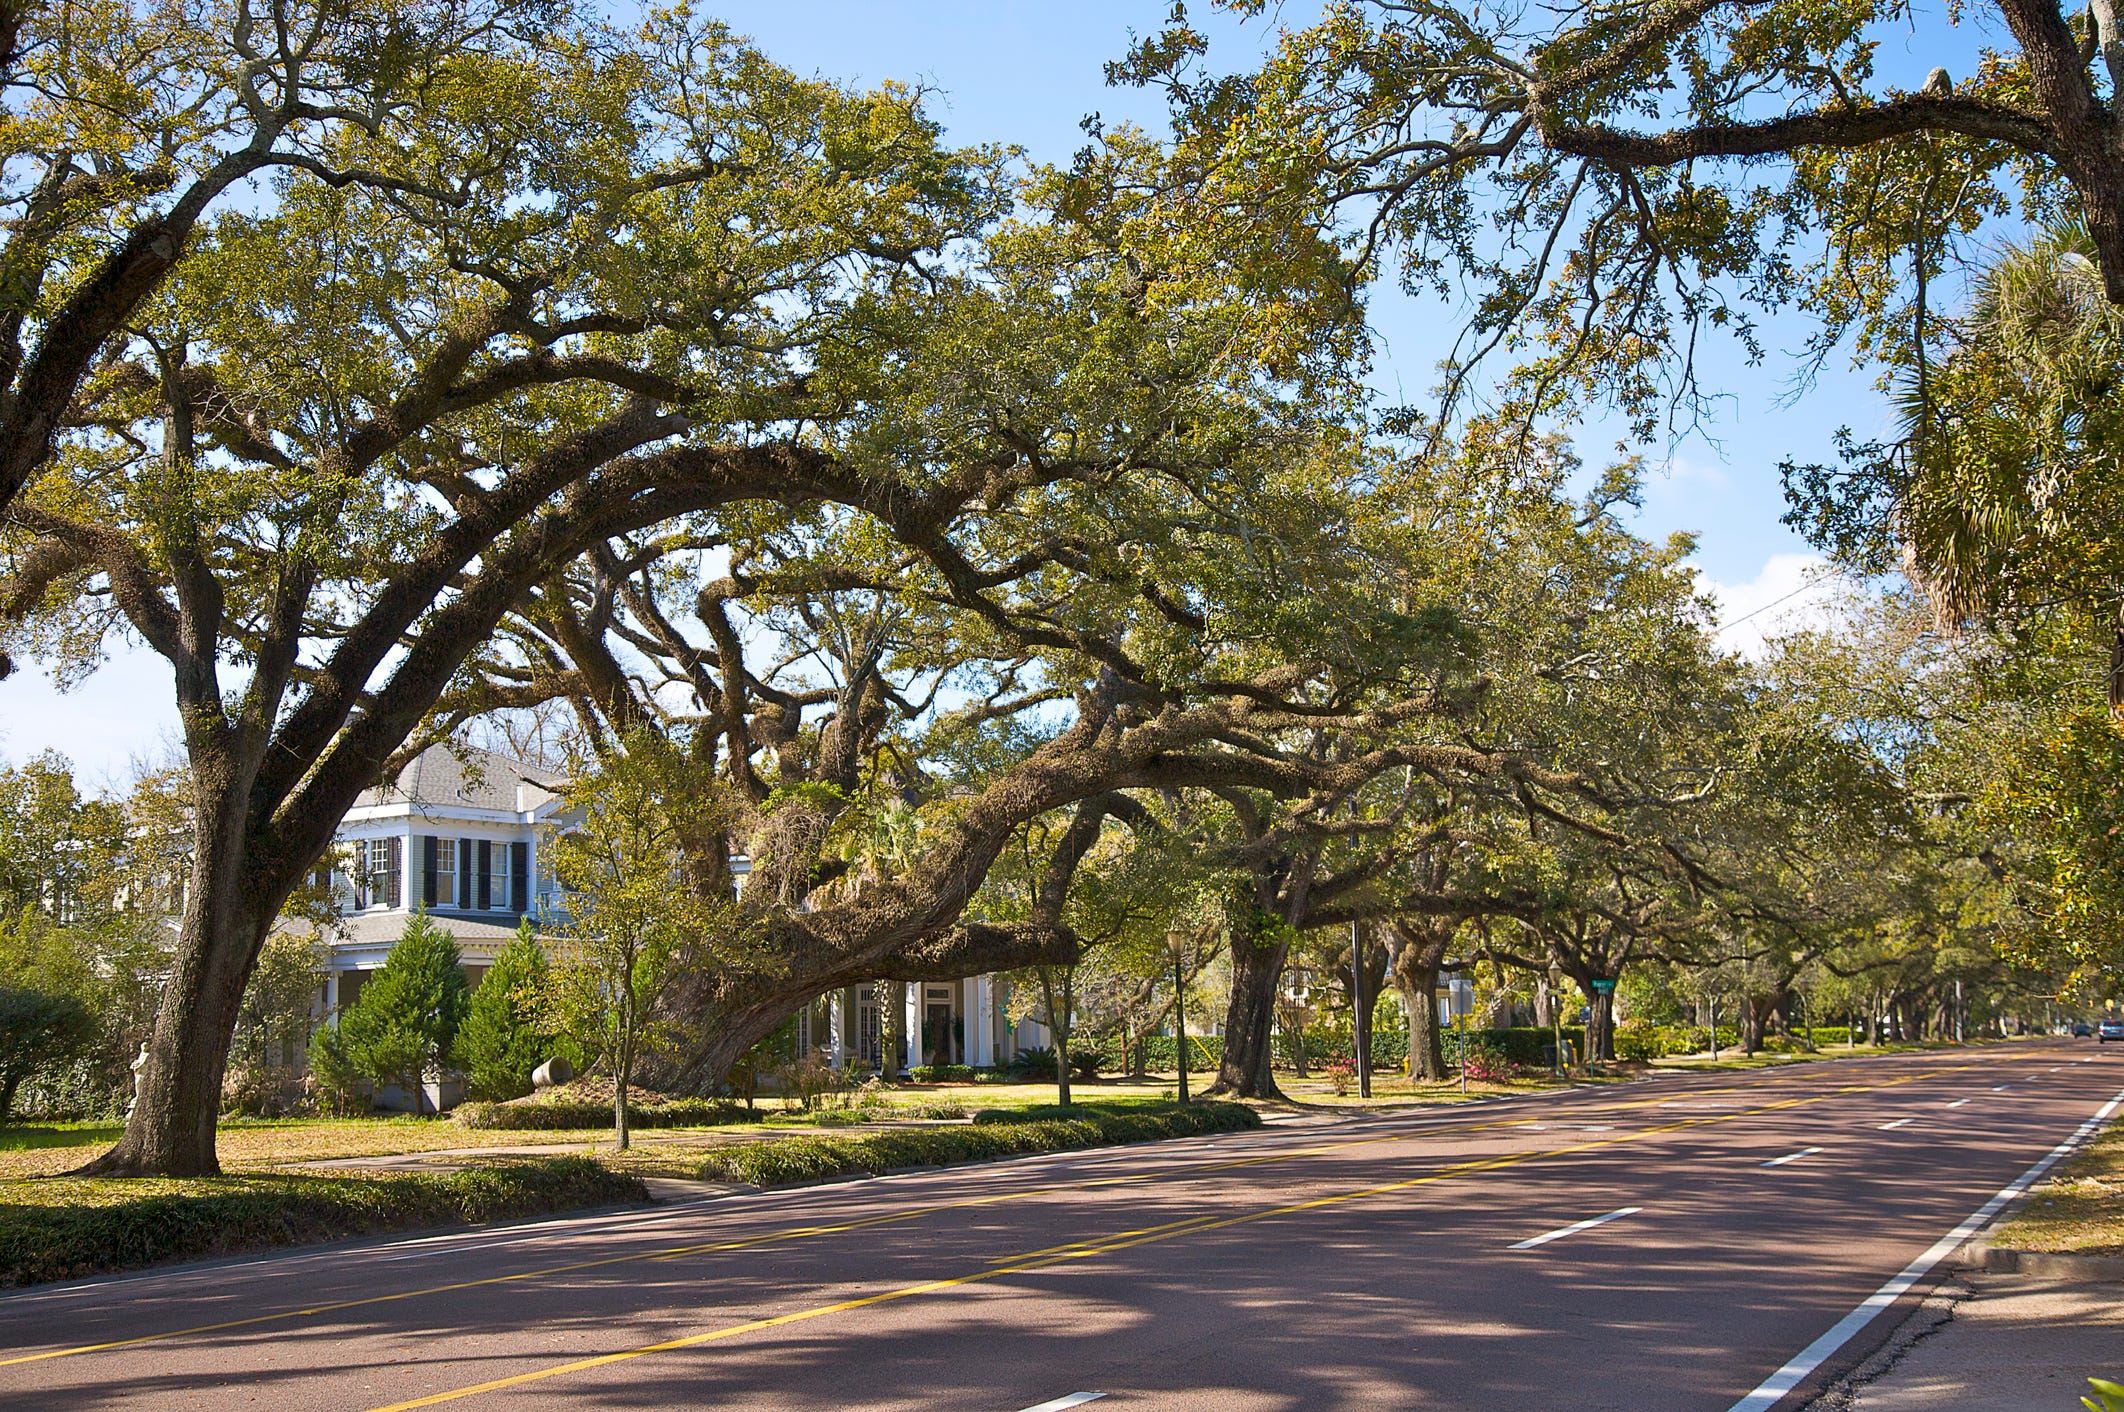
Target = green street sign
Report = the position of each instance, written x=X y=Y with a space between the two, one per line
x=1604 y=986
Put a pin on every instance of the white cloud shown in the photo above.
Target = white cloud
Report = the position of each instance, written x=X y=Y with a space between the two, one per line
x=1789 y=592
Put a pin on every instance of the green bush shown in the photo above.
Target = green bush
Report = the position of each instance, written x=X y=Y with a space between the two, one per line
x=1204 y=1053
x=1520 y=1044
x=944 y=1074
x=192 y=1220
x=39 y=1029
x=992 y=1134
x=548 y=1115
x=1034 y=1062
x=1639 y=1042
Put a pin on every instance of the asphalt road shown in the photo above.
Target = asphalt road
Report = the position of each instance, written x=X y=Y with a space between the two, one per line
x=1391 y=1261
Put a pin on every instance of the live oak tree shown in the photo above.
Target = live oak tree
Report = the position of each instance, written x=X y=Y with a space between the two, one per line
x=130 y=124
x=364 y=419
x=1612 y=182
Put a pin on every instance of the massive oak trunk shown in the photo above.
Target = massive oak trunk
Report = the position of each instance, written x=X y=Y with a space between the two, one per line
x=1250 y=1019
x=1416 y=966
x=227 y=912
x=1600 y=1025
x=724 y=1011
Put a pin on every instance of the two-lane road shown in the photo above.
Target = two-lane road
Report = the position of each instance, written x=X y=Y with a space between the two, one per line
x=1663 y=1245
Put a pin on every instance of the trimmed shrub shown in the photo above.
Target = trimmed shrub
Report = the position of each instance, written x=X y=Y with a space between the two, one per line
x=992 y=1134
x=1204 y=1052
x=1520 y=1044
x=196 y=1219
x=549 y=1115
x=943 y=1074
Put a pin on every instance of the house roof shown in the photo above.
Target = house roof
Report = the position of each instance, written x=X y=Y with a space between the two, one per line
x=383 y=929
x=373 y=928
x=465 y=777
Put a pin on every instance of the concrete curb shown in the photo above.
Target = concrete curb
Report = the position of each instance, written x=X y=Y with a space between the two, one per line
x=1983 y=1255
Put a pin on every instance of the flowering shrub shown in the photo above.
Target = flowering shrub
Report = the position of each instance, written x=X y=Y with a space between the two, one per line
x=1341 y=1072
x=1486 y=1061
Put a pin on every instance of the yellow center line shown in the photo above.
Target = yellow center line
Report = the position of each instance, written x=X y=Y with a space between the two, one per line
x=805 y=1232
x=1056 y=1255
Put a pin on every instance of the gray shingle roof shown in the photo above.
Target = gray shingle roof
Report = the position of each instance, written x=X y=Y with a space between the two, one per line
x=462 y=776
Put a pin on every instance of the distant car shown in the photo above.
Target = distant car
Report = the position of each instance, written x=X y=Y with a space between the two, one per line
x=2082 y=1030
x=2111 y=1028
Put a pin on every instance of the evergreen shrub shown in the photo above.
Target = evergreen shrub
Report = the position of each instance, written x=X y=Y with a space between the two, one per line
x=71 y=1232
x=993 y=1134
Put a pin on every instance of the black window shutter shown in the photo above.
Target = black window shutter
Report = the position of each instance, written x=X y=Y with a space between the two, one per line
x=486 y=874
x=519 y=877
x=428 y=854
x=360 y=878
x=464 y=874
x=395 y=862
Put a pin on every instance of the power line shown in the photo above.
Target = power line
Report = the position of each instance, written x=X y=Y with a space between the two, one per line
x=1811 y=583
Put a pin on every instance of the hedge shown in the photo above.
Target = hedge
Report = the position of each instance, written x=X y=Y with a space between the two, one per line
x=547 y=1115
x=992 y=1134
x=197 y=1218
x=1204 y=1051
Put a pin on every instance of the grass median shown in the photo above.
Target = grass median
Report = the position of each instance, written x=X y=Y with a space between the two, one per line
x=992 y=1134
x=63 y=1228
x=2080 y=1209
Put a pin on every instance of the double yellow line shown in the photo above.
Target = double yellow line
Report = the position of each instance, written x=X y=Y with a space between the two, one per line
x=917 y=1212
x=1084 y=1250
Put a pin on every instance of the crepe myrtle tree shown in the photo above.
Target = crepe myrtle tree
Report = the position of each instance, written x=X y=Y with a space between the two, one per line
x=359 y=425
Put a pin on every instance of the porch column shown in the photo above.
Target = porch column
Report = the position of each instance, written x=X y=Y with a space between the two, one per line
x=981 y=1022
x=916 y=1054
x=332 y=997
x=836 y=1028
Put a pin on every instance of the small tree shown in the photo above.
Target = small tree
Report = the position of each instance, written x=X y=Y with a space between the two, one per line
x=38 y=1029
x=276 y=1016
x=501 y=1040
x=407 y=1016
x=634 y=898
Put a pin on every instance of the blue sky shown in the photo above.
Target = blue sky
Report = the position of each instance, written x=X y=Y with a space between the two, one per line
x=1027 y=72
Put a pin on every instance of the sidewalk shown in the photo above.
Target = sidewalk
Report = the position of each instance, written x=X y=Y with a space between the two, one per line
x=1985 y=1341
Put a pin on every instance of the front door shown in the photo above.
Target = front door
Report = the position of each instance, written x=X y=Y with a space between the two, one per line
x=936 y=1031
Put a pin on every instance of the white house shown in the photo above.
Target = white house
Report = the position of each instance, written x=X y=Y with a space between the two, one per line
x=462 y=833
x=458 y=833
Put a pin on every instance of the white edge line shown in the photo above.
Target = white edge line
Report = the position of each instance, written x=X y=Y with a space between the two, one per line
x=1575 y=1227
x=1773 y=1388
x=1899 y=1122
x=1075 y=1399
x=1792 y=1157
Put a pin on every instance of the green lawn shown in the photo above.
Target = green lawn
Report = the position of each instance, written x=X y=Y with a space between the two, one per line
x=2080 y=1209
